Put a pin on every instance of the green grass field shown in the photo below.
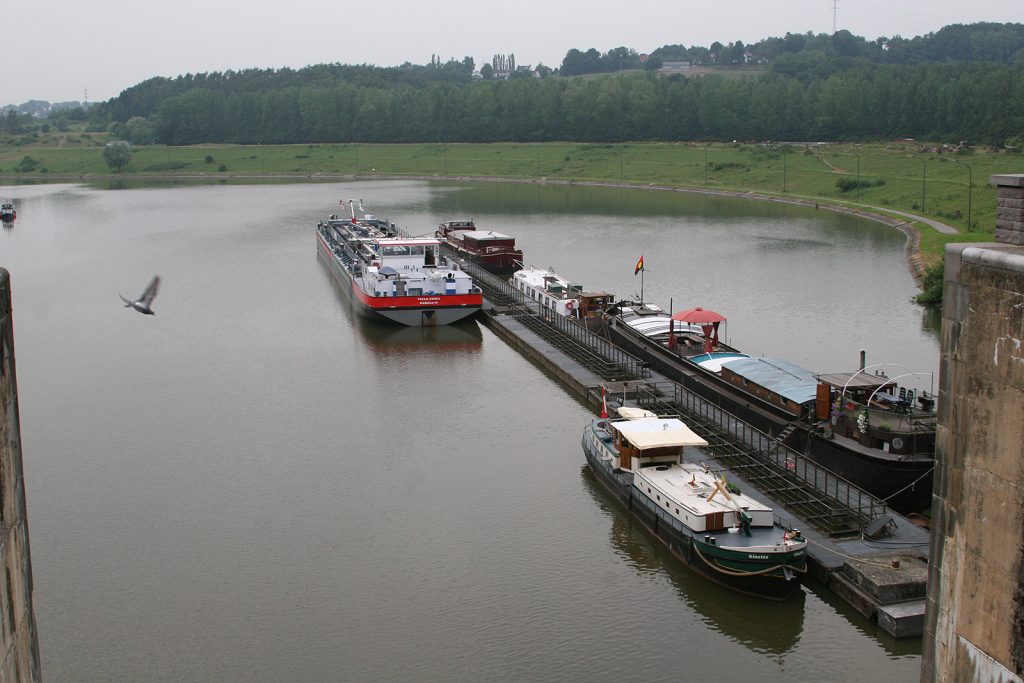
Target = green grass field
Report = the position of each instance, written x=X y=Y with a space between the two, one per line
x=902 y=176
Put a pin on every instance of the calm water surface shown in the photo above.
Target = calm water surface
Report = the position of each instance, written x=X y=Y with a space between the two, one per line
x=254 y=486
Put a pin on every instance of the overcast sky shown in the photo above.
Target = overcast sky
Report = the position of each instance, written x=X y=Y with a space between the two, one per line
x=56 y=49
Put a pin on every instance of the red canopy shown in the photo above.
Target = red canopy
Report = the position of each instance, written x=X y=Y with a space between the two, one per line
x=698 y=316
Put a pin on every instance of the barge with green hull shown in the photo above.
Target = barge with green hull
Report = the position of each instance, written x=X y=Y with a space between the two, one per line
x=727 y=537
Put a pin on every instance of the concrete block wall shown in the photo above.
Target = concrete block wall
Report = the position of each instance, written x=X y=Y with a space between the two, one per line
x=974 y=625
x=17 y=616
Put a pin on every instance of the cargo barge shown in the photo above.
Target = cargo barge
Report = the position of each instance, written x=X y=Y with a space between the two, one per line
x=392 y=277
x=727 y=537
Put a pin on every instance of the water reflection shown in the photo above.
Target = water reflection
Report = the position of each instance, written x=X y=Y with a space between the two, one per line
x=387 y=340
x=895 y=648
x=772 y=628
x=931 y=320
x=487 y=198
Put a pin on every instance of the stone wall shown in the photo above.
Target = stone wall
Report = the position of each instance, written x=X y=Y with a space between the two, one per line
x=974 y=629
x=17 y=618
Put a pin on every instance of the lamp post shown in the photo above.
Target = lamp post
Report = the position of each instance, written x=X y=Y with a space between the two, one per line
x=705 y=165
x=858 y=176
x=970 y=187
x=783 y=171
x=924 y=175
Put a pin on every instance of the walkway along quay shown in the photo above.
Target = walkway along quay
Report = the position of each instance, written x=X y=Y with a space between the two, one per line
x=867 y=554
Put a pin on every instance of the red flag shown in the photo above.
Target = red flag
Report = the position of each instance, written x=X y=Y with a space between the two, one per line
x=604 y=404
x=639 y=265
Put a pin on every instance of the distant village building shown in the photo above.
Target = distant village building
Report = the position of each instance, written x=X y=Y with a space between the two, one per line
x=670 y=68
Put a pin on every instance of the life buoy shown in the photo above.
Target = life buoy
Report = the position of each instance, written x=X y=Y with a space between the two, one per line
x=569 y=305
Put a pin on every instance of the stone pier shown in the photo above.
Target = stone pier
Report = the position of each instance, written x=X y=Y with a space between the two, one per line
x=974 y=624
x=17 y=617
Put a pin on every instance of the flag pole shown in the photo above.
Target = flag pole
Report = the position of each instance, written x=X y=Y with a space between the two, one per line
x=642 y=286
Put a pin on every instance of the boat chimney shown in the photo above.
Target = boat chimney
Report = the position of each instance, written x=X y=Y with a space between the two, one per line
x=863 y=358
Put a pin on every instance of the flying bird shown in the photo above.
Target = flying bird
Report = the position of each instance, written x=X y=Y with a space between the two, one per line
x=143 y=303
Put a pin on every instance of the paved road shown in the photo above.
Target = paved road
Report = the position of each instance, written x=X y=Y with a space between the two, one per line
x=941 y=227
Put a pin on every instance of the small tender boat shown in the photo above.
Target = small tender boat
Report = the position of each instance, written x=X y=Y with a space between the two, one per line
x=493 y=251
x=7 y=212
x=394 y=277
x=728 y=537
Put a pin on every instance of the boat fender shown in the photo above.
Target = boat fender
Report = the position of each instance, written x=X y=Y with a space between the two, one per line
x=569 y=305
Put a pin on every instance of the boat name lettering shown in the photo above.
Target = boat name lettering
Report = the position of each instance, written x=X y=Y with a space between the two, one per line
x=757 y=557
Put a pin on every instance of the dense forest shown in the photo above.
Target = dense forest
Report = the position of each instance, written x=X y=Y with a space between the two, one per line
x=960 y=83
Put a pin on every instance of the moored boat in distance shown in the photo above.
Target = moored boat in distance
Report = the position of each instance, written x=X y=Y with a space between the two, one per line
x=394 y=277
x=556 y=294
x=7 y=212
x=495 y=252
x=728 y=537
x=861 y=426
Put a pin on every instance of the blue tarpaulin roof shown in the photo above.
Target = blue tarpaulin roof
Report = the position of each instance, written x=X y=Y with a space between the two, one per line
x=775 y=374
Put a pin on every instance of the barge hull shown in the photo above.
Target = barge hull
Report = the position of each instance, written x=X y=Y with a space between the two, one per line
x=412 y=311
x=682 y=544
x=905 y=484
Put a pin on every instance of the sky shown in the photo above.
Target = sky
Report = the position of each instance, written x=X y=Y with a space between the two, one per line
x=62 y=50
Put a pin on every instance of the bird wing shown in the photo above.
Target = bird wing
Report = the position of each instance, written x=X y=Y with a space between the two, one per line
x=125 y=300
x=150 y=293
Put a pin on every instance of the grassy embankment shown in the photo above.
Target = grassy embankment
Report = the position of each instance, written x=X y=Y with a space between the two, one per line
x=891 y=174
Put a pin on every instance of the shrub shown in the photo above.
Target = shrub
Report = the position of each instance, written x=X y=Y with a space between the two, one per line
x=26 y=165
x=222 y=168
x=846 y=184
x=209 y=158
x=166 y=166
x=932 y=285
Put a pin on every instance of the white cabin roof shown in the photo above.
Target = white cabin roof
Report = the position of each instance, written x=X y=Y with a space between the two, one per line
x=658 y=432
x=690 y=486
x=484 y=235
x=406 y=242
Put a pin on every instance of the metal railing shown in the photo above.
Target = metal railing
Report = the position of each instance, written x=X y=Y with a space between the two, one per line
x=496 y=287
x=827 y=500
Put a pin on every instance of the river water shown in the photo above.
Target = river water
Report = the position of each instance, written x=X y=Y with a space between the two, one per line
x=255 y=486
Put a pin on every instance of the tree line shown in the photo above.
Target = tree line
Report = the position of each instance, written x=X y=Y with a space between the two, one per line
x=980 y=103
x=821 y=91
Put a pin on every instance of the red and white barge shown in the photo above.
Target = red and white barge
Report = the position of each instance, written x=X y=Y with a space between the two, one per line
x=393 y=277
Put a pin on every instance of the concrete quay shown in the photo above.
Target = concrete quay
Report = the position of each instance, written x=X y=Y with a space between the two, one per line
x=882 y=578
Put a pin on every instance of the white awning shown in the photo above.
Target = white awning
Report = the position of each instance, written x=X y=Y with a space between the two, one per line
x=632 y=413
x=658 y=432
